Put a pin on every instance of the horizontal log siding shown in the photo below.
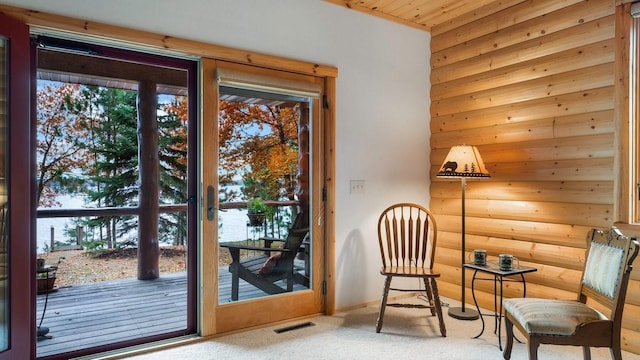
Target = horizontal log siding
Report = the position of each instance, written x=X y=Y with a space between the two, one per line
x=535 y=94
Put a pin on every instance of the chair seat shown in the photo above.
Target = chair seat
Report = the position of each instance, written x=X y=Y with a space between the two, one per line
x=253 y=264
x=551 y=317
x=408 y=271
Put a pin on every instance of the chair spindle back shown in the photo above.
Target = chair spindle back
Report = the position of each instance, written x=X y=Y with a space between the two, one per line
x=407 y=236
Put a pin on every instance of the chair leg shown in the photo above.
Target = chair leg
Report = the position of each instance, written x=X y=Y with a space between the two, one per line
x=533 y=348
x=437 y=306
x=586 y=353
x=290 y=282
x=616 y=354
x=383 y=303
x=509 y=345
x=429 y=291
x=235 y=282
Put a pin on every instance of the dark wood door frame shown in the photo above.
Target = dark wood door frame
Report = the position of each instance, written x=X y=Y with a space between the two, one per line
x=21 y=254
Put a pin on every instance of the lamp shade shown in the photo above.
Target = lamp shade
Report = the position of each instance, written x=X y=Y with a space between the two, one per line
x=463 y=161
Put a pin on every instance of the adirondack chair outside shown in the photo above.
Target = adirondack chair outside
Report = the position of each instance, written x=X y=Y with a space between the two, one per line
x=274 y=262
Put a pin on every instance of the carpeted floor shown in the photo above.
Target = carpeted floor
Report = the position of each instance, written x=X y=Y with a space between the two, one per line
x=406 y=334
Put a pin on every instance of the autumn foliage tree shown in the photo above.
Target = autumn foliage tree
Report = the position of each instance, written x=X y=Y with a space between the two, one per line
x=259 y=143
x=87 y=144
x=87 y=137
x=59 y=151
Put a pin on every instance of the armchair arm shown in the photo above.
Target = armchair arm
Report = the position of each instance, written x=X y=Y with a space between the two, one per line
x=234 y=250
x=269 y=240
x=247 y=247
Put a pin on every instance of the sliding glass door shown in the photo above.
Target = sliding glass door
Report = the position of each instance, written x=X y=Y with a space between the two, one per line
x=115 y=189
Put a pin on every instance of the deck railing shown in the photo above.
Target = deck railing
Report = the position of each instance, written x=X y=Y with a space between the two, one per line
x=276 y=227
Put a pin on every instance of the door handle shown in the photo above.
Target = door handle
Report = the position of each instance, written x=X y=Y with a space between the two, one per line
x=210 y=203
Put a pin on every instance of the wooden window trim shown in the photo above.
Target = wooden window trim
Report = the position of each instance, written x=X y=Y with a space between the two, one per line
x=627 y=122
x=624 y=180
x=633 y=120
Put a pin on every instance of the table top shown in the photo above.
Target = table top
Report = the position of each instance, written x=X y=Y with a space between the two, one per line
x=46 y=269
x=493 y=268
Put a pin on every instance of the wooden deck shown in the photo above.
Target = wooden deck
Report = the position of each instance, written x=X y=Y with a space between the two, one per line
x=89 y=315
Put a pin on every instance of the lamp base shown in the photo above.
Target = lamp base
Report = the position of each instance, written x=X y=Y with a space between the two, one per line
x=463 y=314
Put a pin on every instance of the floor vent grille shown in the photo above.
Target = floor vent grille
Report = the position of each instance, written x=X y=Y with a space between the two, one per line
x=294 y=327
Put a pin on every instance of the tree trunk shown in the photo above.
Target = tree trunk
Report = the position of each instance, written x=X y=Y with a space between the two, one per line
x=148 y=164
x=303 y=156
x=109 y=233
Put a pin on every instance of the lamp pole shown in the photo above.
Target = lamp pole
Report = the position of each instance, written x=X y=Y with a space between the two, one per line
x=463 y=161
x=462 y=313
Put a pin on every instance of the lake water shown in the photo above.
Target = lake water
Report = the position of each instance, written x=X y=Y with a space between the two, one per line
x=233 y=224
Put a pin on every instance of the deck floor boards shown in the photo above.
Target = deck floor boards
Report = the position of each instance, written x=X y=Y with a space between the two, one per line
x=95 y=314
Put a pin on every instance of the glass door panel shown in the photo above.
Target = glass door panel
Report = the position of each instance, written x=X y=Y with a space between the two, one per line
x=260 y=131
x=264 y=226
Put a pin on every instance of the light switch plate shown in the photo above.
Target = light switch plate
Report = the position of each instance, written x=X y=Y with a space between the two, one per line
x=357 y=187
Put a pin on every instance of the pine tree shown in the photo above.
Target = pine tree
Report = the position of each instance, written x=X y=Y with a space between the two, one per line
x=114 y=173
x=172 y=145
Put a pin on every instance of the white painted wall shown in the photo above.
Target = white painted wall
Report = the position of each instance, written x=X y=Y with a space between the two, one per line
x=382 y=108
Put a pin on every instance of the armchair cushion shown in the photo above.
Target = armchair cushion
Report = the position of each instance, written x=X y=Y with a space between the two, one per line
x=269 y=265
x=549 y=316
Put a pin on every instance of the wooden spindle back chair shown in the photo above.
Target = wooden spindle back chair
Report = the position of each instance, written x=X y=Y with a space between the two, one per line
x=407 y=236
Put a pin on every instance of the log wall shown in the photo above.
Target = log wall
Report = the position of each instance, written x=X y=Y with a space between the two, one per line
x=535 y=94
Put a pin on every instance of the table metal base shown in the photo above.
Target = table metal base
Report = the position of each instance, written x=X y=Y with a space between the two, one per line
x=498 y=276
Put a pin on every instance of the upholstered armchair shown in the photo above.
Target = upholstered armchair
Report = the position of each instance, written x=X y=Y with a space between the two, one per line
x=595 y=318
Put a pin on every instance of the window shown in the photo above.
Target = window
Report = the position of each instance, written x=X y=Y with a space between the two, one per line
x=634 y=108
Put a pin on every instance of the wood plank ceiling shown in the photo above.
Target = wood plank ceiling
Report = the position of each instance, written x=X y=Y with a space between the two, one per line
x=425 y=14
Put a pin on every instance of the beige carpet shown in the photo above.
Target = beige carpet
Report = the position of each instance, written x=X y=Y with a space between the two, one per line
x=406 y=334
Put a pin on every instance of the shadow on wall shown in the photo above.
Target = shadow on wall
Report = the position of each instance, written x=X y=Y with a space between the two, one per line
x=352 y=268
